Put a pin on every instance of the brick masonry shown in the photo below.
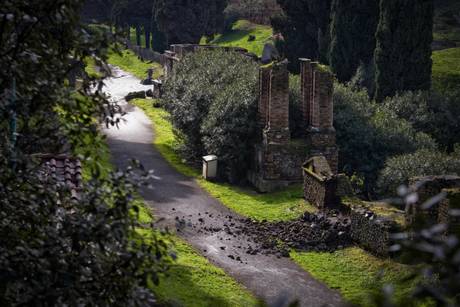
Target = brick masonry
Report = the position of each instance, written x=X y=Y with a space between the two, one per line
x=273 y=120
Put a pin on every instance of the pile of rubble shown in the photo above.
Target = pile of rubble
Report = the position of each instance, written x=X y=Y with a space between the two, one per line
x=312 y=232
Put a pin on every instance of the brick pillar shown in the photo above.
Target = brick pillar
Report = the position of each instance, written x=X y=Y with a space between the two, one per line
x=306 y=88
x=264 y=96
x=278 y=106
x=326 y=108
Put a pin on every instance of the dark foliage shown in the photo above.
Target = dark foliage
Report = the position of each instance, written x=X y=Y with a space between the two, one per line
x=432 y=113
x=439 y=276
x=305 y=28
x=212 y=98
x=353 y=27
x=403 y=53
x=368 y=134
x=55 y=250
x=189 y=21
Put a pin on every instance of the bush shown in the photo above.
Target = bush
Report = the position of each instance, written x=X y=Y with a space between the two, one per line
x=368 y=134
x=364 y=78
x=431 y=113
x=212 y=99
x=398 y=170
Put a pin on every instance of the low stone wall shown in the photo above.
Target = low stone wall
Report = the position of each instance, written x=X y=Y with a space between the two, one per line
x=144 y=53
x=451 y=202
x=370 y=231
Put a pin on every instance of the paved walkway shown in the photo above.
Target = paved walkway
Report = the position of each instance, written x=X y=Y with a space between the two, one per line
x=175 y=196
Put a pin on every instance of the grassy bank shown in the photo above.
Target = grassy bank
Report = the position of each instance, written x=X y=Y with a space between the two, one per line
x=356 y=274
x=239 y=37
x=284 y=205
x=446 y=69
x=128 y=61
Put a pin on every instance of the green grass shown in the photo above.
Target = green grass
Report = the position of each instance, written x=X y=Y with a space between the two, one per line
x=446 y=69
x=128 y=61
x=194 y=281
x=239 y=35
x=356 y=274
x=283 y=205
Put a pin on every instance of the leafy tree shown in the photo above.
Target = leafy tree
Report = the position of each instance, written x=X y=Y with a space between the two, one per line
x=353 y=27
x=212 y=98
x=398 y=170
x=56 y=250
x=188 y=21
x=305 y=27
x=403 y=52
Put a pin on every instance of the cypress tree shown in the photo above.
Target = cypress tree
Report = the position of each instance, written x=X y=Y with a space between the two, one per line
x=304 y=25
x=403 y=52
x=353 y=27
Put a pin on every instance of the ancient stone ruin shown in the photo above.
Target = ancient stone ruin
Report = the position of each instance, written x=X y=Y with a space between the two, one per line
x=427 y=188
x=278 y=159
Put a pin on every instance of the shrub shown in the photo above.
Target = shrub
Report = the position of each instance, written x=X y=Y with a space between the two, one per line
x=398 y=170
x=369 y=133
x=212 y=99
x=431 y=113
x=364 y=78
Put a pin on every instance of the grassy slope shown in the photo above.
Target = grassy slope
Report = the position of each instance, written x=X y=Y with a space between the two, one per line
x=446 y=69
x=239 y=35
x=283 y=205
x=355 y=273
x=128 y=61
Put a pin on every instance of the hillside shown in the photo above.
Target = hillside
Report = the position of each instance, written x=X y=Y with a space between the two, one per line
x=240 y=35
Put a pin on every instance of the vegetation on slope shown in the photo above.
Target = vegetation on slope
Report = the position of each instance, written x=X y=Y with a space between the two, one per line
x=356 y=274
x=128 y=61
x=239 y=36
x=446 y=70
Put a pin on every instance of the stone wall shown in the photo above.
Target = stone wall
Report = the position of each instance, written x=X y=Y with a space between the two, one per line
x=427 y=188
x=372 y=232
x=451 y=202
x=144 y=53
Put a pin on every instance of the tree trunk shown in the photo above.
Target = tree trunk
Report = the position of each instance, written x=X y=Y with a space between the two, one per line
x=138 y=35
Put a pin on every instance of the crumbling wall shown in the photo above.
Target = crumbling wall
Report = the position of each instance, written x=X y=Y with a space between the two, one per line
x=370 y=231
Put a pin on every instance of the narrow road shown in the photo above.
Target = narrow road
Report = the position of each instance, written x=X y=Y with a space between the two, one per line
x=181 y=202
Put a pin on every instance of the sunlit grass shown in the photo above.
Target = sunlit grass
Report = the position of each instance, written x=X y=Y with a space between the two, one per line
x=239 y=37
x=446 y=69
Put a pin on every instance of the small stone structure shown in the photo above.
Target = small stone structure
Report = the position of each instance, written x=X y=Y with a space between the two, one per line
x=427 y=188
x=372 y=231
x=278 y=159
x=320 y=184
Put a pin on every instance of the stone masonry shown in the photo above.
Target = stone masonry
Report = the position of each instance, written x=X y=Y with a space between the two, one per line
x=427 y=188
x=317 y=111
x=279 y=159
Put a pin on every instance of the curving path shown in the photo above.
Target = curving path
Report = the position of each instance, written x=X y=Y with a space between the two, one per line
x=182 y=204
